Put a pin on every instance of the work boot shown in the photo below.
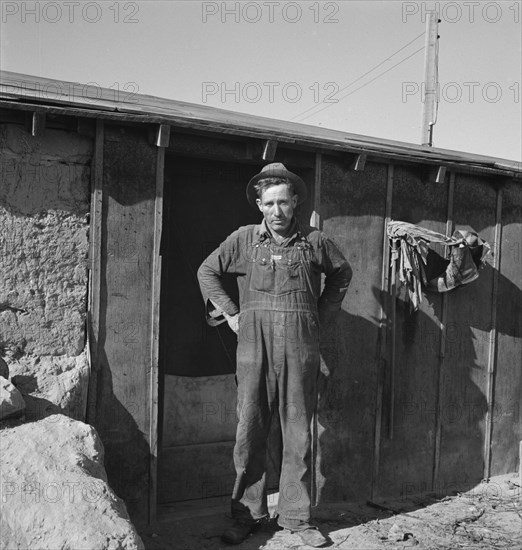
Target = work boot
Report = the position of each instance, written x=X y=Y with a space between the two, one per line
x=311 y=536
x=460 y=271
x=238 y=532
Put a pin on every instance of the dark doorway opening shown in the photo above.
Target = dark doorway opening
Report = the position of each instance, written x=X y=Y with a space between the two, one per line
x=204 y=201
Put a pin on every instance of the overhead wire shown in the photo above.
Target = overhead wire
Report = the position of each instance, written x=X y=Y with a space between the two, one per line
x=365 y=84
x=362 y=76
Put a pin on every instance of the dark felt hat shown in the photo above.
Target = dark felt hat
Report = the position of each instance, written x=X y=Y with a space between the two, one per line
x=276 y=170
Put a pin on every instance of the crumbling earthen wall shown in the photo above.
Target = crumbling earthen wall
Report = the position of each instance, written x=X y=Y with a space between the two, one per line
x=44 y=205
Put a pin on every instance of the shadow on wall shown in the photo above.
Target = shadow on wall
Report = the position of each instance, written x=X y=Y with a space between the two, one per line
x=120 y=402
x=127 y=471
x=347 y=404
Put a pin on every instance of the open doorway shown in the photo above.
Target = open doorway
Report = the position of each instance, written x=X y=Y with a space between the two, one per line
x=204 y=201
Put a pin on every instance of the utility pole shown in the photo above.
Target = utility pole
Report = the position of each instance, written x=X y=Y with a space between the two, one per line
x=430 y=79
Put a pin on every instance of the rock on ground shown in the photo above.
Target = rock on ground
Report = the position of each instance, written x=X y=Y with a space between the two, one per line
x=52 y=384
x=11 y=400
x=54 y=491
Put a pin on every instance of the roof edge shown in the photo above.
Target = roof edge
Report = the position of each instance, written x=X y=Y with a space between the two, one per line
x=18 y=87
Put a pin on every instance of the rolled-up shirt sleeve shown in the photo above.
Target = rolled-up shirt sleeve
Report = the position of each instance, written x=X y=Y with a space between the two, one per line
x=223 y=260
x=338 y=275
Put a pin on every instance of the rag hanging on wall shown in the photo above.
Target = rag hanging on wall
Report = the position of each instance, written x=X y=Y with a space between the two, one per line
x=421 y=267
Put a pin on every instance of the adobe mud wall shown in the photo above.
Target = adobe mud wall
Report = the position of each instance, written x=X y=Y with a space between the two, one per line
x=44 y=205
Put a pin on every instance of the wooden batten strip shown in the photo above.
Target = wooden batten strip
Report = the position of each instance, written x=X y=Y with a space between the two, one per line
x=359 y=163
x=383 y=329
x=393 y=350
x=442 y=346
x=269 y=150
x=441 y=174
x=95 y=233
x=163 y=135
x=492 y=352
x=38 y=124
x=315 y=218
x=437 y=174
x=155 y=330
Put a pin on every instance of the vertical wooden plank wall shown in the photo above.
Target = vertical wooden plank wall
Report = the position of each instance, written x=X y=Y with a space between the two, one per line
x=506 y=414
x=125 y=346
x=384 y=330
x=442 y=342
x=451 y=406
x=493 y=336
x=431 y=410
x=410 y=398
x=352 y=210
x=464 y=403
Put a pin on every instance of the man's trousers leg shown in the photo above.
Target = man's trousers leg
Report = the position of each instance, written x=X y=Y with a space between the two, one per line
x=297 y=388
x=278 y=357
x=255 y=397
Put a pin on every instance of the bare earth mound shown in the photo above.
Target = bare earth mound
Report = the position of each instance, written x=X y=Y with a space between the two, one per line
x=54 y=490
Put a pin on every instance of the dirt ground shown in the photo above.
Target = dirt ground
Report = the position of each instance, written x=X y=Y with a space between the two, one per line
x=487 y=517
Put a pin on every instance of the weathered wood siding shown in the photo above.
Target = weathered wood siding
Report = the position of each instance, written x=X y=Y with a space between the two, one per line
x=352 y=209
x=464 y=369
x=409 y=402
x=123 y=350
x=412 y=359
x=421 y=404
x=507 y=425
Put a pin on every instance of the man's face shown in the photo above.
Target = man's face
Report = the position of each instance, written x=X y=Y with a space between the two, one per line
x=277 y=204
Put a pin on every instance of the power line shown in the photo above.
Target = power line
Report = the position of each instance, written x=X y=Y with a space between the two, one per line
x=365 y=84
x=363 y=75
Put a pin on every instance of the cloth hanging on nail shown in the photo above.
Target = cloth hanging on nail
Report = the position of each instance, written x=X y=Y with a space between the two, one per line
x=411 y=246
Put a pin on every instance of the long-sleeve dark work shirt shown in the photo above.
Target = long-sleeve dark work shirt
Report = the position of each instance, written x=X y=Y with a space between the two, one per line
x=280 y=277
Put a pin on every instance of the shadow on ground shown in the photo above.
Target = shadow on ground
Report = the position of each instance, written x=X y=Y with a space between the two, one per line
x=485 y=517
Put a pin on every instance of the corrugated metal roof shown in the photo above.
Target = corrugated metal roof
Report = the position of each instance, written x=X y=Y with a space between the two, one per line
x=24 y=91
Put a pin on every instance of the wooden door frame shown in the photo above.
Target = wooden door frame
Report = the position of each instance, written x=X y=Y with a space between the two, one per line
x=95 y=278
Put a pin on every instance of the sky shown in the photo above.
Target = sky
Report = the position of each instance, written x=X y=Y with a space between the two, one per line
x=355 y=66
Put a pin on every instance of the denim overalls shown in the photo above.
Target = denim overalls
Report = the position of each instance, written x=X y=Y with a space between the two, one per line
x=277 y=356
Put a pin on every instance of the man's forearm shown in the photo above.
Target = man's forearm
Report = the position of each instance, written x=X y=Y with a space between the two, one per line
x=218 y=312
x=212 y=290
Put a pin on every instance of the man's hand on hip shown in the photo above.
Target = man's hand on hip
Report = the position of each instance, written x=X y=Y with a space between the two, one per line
x=233 y=321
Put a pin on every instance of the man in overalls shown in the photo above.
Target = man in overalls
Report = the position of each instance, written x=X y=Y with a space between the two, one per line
x=278 y=265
